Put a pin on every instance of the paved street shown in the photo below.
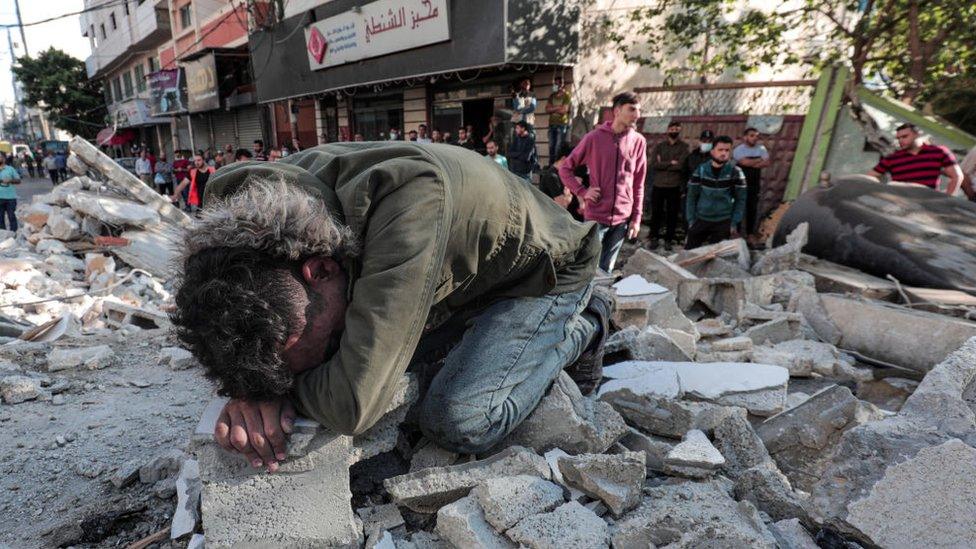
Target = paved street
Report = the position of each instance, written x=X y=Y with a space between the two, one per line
x=32 y=186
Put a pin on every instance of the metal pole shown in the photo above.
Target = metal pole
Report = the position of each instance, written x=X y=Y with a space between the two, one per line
x=189 y=124
x=20 y=25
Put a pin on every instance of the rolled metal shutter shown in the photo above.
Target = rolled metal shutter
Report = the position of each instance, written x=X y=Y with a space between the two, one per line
x=249 y=125
x=224 y=129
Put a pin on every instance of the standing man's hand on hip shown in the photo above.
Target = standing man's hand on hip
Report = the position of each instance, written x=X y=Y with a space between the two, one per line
x=592 y=195
x=256 y=429
x=633 y=231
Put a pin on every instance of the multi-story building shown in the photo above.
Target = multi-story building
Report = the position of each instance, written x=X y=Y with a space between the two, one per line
x=124 y=37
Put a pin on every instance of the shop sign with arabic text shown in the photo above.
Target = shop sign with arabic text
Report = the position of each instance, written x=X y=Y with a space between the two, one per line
x=378 y=28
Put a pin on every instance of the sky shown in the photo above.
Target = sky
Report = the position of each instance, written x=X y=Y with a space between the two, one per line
x=64 y=34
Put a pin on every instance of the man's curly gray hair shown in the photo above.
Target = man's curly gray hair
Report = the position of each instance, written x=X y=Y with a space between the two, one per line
x=273 y=217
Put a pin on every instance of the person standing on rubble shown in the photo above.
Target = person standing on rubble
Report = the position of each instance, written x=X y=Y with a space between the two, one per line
x=919 y=162
x=318 y=280
x=9 y=177
x=616 y=155
x=717 y=195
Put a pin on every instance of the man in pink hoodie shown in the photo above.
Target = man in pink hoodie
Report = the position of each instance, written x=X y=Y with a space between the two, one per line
x=615 y=154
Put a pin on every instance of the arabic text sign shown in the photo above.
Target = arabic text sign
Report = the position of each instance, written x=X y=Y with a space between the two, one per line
x=201 y=84
x=381 y=27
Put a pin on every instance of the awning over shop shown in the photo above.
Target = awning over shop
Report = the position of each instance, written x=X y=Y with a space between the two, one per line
x=112 y=136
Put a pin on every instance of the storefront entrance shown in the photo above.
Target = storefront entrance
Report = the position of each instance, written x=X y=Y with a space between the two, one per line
x=451 y=115
x=374 y=116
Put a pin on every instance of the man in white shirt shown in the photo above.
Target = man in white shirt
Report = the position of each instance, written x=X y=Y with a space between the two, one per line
x=752 y=157
x=144 y=168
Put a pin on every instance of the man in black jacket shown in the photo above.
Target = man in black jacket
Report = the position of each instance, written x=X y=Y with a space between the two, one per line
x=521 y=153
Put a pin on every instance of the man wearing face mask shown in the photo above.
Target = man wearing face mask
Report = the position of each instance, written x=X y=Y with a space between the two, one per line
x=697 y=156
x=668 y=159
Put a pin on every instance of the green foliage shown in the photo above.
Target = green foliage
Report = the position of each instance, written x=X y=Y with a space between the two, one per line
x=57 y=83
x=956 y=102
x=914 y=47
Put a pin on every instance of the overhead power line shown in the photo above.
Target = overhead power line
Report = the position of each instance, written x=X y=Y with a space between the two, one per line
x=107 y=5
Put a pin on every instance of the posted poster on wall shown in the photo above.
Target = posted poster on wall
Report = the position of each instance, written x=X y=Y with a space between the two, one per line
x=378 y=28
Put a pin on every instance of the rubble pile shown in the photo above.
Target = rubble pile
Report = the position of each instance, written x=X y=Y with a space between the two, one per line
x=738 y=409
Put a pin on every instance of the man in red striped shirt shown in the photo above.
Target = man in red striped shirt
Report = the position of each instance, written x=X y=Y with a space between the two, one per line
x=918 y=162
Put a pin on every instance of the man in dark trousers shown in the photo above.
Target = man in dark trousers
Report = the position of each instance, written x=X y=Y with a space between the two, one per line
x=668 y=158
x=751 y=156
x=522 y=158
x=716 y=197
x=313 y=283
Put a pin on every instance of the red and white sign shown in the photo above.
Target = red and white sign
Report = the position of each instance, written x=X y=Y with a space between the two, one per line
x=378 y=28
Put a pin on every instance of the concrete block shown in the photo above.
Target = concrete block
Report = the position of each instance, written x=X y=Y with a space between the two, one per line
x=463 y=524
x=427 y=490
x=652 y=343
x=774 y=331
x=429 y=455
x=800 y=439
x=379 y=518
x=694 y=457
x=734 y=250
x=659 y=310
x=716 y=295
x=740 y=343
x=552 y=458
x=704 y=511
x=569 y=525
x=176 y=358
x=739 y=444
x=423 y=540
x=657 y=269
x=16 y=389
x=93 y=358
x=666 y=416
x=188 y=488
x=507 y=500
x=794 y=535
x=616 y=479
x=770 y=491
x=654 y=448
x=568 y=420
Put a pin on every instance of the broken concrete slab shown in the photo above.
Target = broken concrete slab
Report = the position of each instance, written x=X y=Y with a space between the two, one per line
x=382 y=436
x=188 y=489
x=797 y=365
x=657 y=269
x=769 y=490
x=702 y=510
x=928 y=500
x=785 y=257
x=636 y=285
x=889 y=332
x=800 y=439
x=568 y=420
x=666 y=416
x=462 y=523
x=716 y=295
x=774 y=331
x=16 y=389
x=660 y=310
x=113 y=211
x=792 y=535
x=740 y=445
x=507 y=500
x=616 y=479
x=740 y=343
x=734 y=250
x=176 y=358
x=93 y=358
x=718 y=268
x=429 y=455
x=427 y=490
x=946 y=397
x=760 y=388
x=163 y=465
x=713 y=327
x=810 y=305
x=652 y=343
x=63 y=225
x=654 y=448
x=569 y=525
x=839 y=279
x=694 y=457
x=552 y=458
x=380 y=518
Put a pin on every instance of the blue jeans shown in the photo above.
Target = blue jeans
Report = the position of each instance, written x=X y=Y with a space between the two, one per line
x=508 y=355
x=557 y=136
x=8 y=208
x=612 y=239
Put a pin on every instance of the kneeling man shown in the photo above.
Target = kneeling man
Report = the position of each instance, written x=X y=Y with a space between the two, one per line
x=313 y=283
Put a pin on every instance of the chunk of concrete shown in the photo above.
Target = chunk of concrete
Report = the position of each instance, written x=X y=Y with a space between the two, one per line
x=800 y=439
x=429 y=455
x=797 y=365
x=176 y=358
x=657 y=269
x=739 y=444
x=770 y=491
x=890 y=333
x=713 y=327
x=785 y=257
x=794 y=535
x=16 y=389
x=568 y=420
x=702 y=509
x=740 y=343
x=659 y=310
x=928 y=500
x=62 y=225
x=113 y=211
x=810 y=305
x=188 y=488
x=427 y=490
x=379 y=518
x=382 y=436
x=666 y=416
x=423 y=540
x=569 y=525
x=734 y=250
x=774 y=331
x=636 y=285
x=507 y=500
x=616 y=479
x=715 y=295
x=652 y=343
x=462 y=523
x=654 y=448
x=93 y=358
x=694 y=457
x=760 y=388
x=552 y=458
x=162 y=466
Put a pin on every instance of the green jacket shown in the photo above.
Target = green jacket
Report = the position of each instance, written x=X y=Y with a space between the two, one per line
x=441 y=229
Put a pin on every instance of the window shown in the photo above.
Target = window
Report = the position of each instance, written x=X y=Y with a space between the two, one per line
x=153 y=65
x=185 y=16
x=108 y=93
x=102 y=27
x=140 y=78
x=117 y=88
x=92 y=37
x=127 y=83
x=112 y=19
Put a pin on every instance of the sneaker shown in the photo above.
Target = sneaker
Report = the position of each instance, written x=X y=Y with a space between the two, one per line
x=587 y=371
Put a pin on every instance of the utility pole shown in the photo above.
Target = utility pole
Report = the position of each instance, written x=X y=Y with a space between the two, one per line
x=20 y=113
x=20 y=25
